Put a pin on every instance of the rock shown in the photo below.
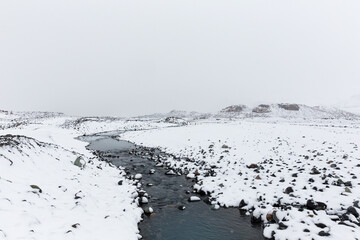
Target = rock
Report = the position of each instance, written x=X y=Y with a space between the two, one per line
x=352 y=210
x=181 y=207
x=120 y=182
x=215 y=207
x=253 y=165
x=75 y=225
x=138 y=176
x=262 y=108
x=207 y=200
x=347 y=190
x=258 y=177
x=289 y=190
x=194 y=199
x=312 y=205
x=144 y=200
x=233 y=109
x=170 y=172
x=148 y=210
x=224 y=146
x=80 y=162
x=242 y=204
x=275 y=217
x=282 y=226
x=191 y=176
x=289 y=107
x=324 y=234
x=314 y=171
x=348 y=184
x=36 y=187
x=255 y=219
x=269 y=217
x=320 y=225
x=202 y=192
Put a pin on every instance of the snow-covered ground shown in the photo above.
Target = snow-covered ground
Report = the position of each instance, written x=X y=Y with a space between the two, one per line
x=277 y=167
x=281 y=166
x=39 y=152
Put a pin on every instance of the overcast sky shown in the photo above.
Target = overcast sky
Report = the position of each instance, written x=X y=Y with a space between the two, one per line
x=134 y=57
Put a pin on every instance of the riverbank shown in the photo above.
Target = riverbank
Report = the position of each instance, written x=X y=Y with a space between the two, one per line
x=280 y=173
x=174 y=216
x=47 y=194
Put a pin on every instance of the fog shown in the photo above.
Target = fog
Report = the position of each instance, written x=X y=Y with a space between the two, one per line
x=126 y=58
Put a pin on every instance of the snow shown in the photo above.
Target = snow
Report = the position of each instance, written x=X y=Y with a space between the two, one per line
x=138 y=176
x=87 y=198
x=287 y=154
x=74 y=203
x=194 y=199
x=234 y=157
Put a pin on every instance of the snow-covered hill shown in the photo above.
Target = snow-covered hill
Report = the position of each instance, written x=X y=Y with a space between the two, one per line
x=284 y=110
x=281 y=110
x=351 y=105
x=177 y=114
x=43 y=195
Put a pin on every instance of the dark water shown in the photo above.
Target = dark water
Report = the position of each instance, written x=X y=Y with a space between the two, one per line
x=196 y=222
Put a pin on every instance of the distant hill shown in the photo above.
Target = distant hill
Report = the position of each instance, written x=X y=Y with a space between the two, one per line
x=285 y=110
x=279 y=110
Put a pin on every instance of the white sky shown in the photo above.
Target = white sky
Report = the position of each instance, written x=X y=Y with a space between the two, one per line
x=113 y=57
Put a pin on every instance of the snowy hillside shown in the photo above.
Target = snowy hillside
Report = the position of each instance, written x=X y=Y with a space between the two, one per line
x=285 y=110
x=281 y=110
x=45 y=196
x=178 y=114
x=90 y=125
x=352 y=105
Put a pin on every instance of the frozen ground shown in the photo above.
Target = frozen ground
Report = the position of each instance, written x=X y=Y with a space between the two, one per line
x=295 y=170
x=278 y=168
x=43 y=195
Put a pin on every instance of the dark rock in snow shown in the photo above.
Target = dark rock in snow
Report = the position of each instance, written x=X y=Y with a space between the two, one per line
x=234 y=109
x=289 y=107
x=262 y=108
x=255 y=220
x=289 y=190
x=253 y=165
x=320 y=225
x=282 y=226
x=352 y=210
x=242 y=204
x=312 y=205
x=324 y=234
x=36 y=187
x=314 y=171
